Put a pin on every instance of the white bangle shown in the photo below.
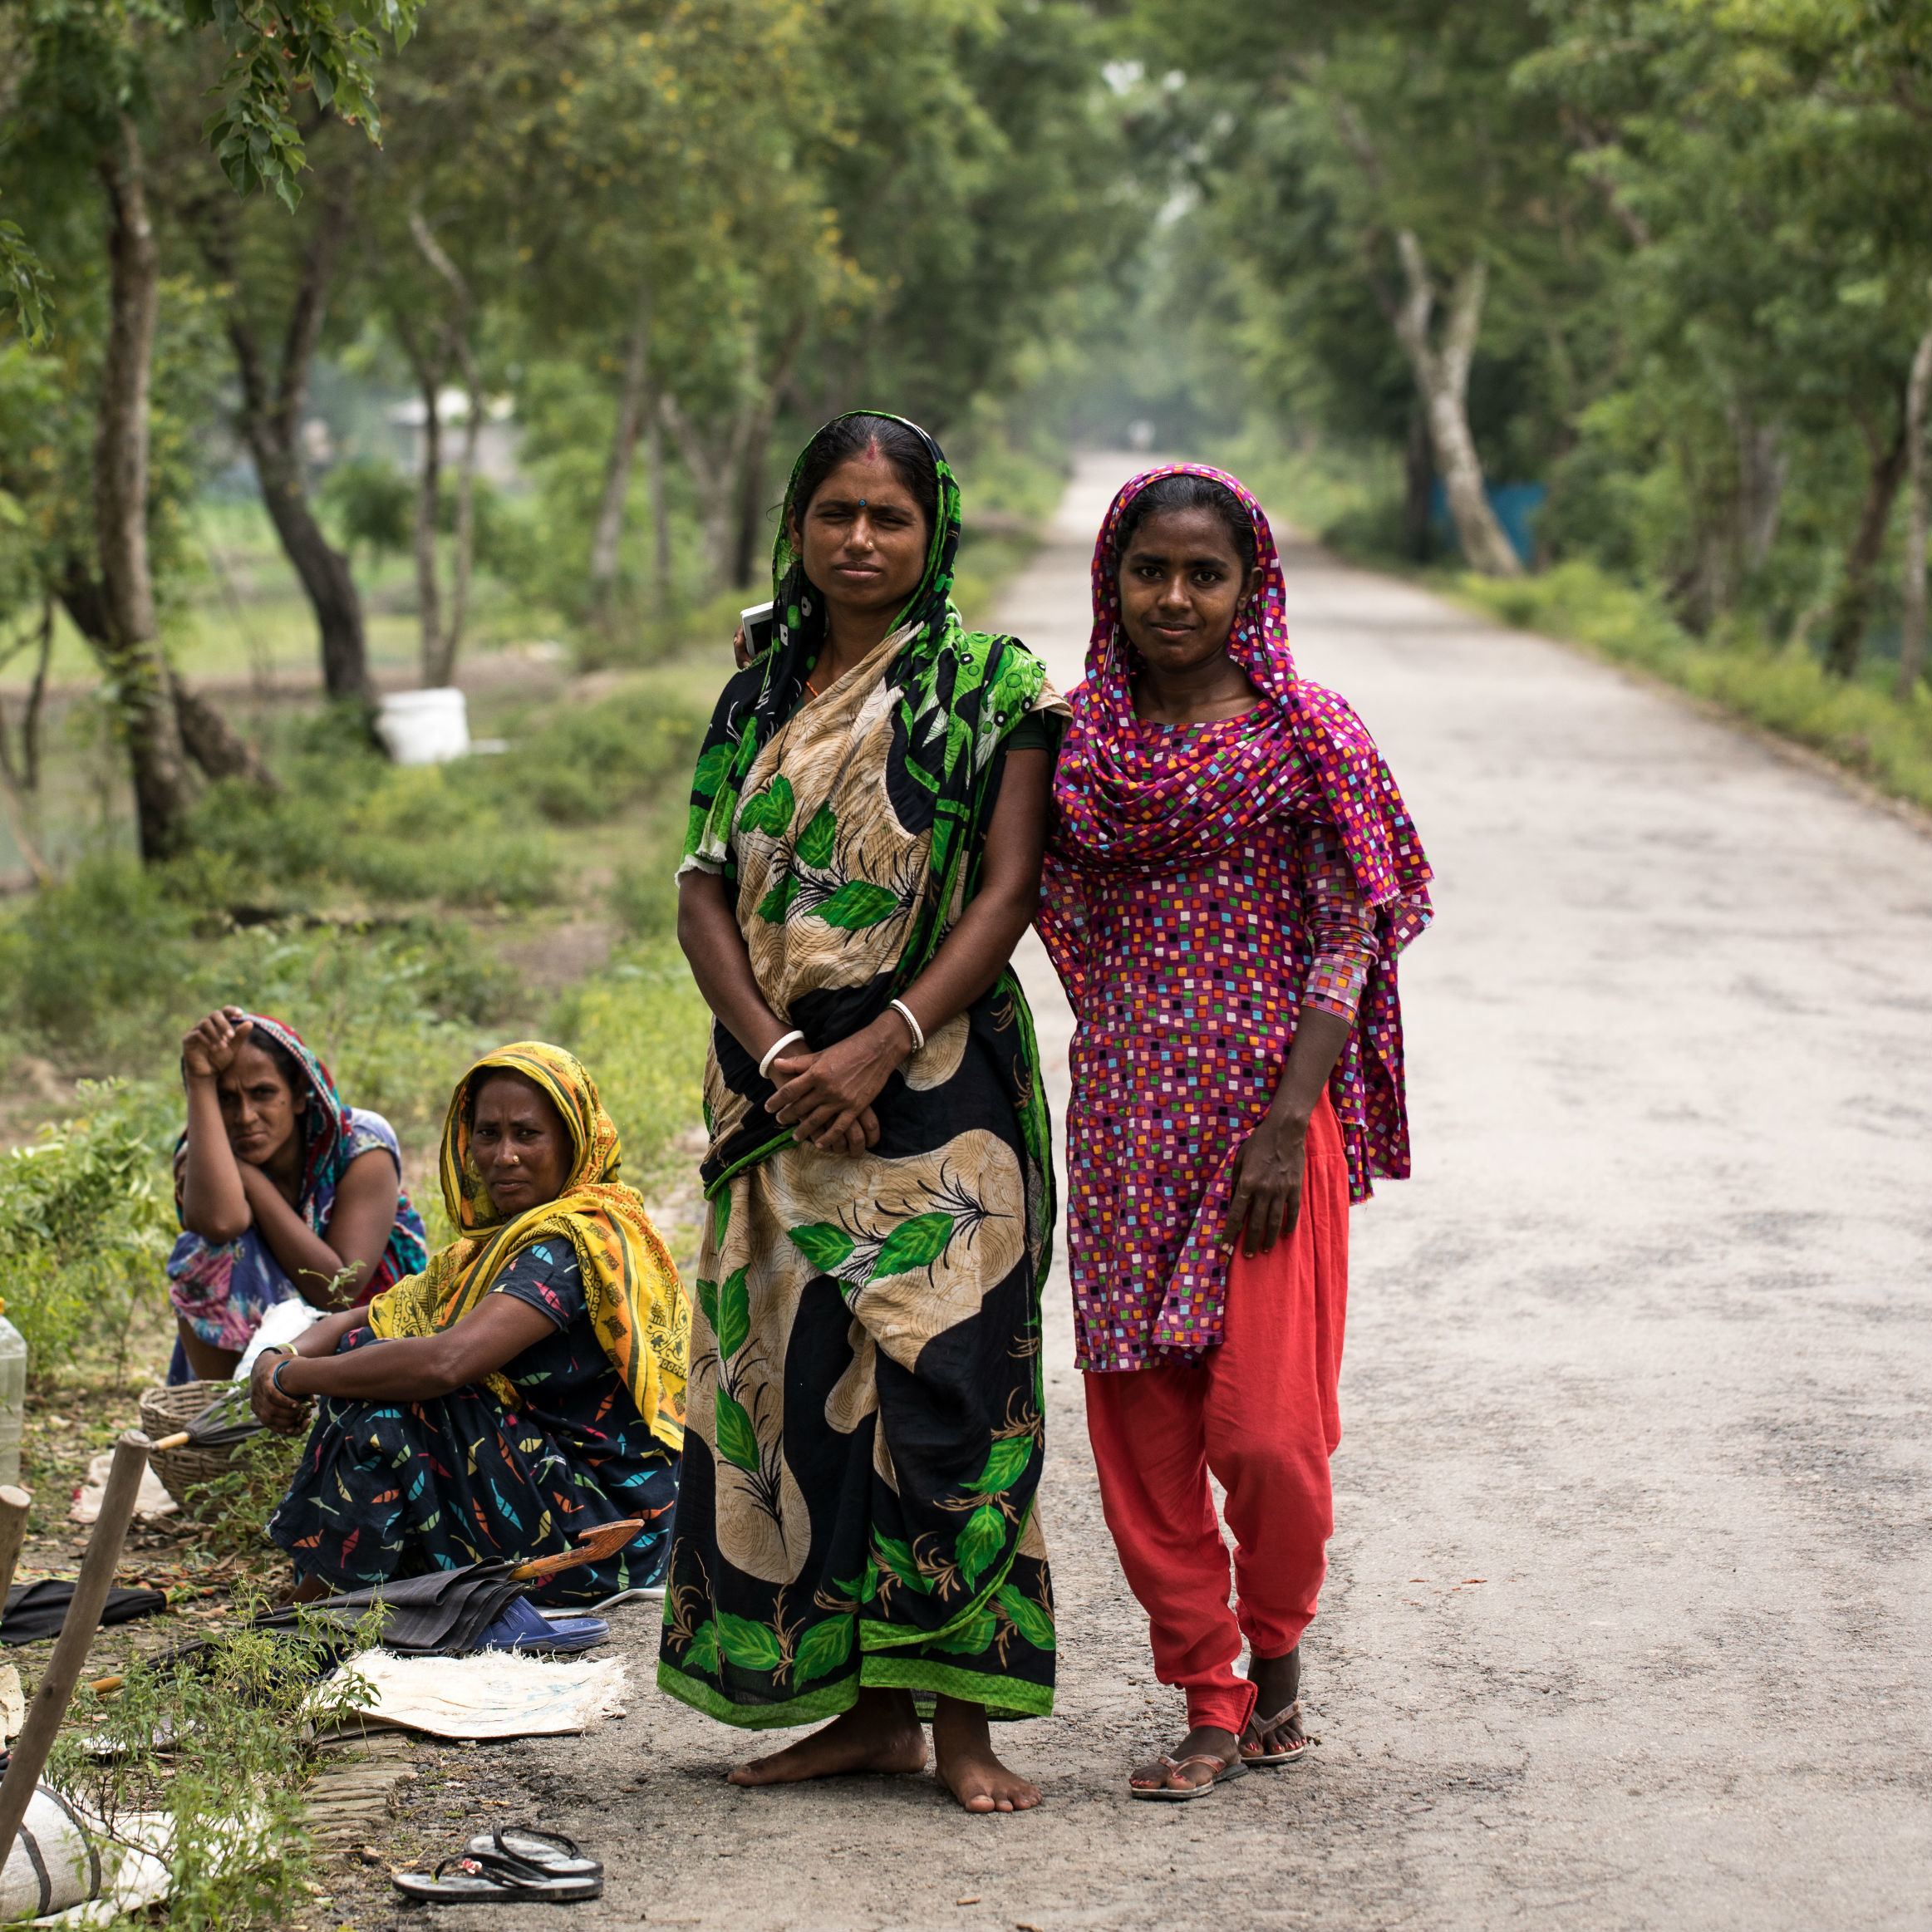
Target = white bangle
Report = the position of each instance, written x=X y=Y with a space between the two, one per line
x=776 y=1047
x=905 y=1013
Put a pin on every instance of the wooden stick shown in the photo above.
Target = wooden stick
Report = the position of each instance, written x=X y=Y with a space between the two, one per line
x=175 y=1442
x=49 y=1707
x=14 y=1504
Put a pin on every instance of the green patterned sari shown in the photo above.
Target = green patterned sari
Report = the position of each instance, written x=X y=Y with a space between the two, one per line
x=864 y=1428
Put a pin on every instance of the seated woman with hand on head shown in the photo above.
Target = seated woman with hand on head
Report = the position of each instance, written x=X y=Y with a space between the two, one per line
x=282 y=1190
x=527 y=1387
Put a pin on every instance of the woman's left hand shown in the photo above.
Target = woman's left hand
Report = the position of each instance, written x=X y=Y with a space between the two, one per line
x=826 y=1097
x=282 y=1413
x=1266 y=1201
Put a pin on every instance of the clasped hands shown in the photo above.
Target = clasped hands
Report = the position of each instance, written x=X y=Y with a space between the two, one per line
x=826 y=1097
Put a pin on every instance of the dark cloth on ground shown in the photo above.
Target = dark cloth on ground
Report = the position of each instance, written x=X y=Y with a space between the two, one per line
x=36 y=1611
x=442 y=1614
x=395 y=1489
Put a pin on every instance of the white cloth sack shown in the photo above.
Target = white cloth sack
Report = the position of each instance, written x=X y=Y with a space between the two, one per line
x=151 y=1500
x=287 y=1321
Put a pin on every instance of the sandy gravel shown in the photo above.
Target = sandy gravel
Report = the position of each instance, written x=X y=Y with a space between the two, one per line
x=1627 y=1623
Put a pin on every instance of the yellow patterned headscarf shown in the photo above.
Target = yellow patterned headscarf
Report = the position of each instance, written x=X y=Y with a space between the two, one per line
x=630 y=1282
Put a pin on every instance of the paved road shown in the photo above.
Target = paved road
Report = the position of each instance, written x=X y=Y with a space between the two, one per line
x=1628 y=1622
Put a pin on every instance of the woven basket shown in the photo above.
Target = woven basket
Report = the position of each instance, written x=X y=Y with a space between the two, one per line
x=166 y=1412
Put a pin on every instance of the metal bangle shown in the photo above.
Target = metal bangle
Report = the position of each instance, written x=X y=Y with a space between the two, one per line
x=905 y=1013
x=771 y=1052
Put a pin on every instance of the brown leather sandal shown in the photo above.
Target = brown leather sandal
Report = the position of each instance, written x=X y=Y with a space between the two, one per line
x=1254 y=1745
x=1224 y=1769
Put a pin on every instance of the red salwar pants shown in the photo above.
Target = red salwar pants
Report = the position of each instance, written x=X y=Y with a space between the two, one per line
x=1260 y=1413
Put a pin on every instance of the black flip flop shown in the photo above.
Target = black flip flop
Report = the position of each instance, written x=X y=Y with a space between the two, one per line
x=550 y=1852
x=482 y=1879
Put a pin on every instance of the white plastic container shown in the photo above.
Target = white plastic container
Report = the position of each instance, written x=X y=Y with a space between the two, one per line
x=424 y=727
x=13 y=1399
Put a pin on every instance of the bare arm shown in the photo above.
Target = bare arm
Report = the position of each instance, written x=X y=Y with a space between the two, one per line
x=494 y=1332
x=707 y=930
x=358 y=1228
x=1266 y=1201
x=214 y=1204
x=821 y=1096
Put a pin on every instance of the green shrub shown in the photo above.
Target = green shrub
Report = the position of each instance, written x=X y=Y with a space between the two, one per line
x=78 y=954
x=371 y=502
x=86 y=1219
x=641 y=1028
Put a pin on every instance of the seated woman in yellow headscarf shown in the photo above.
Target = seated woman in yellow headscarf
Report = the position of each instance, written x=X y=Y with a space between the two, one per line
x=526 y=1386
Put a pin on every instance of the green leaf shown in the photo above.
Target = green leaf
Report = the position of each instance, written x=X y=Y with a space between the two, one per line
x=822 y=1648
x=1006 y=1463
x=778 y=902
x=971 y=1638
x=1032 y=1622
x=703 y=1653
x=857 y=905
x=720 y=1219
x=754 y=1646
x=897 y=1557
x=707 y=1293
x=979 y=1542
x=734 y=1313
x=737 y=1440
x=917 y=1243
x=825 y=1244
x=712 y=765
x=770 y=810
x=816 y=841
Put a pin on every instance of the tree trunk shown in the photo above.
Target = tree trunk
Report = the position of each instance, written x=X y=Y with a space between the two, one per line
x=214 y=744
x=660 y=518
x=465 y=521
x=19 y=782
x=609 y=535
x=1441 y=380
x=718 y=464
x=131 y=654
x=434 y=658
x=1851 y=609
x=1418 y=474
x=1912 y=625
x=1763 y=465
x=439 y=645
x=206 y=736
x=270 y=418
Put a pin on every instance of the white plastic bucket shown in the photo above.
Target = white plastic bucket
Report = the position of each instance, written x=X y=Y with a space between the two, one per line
x=424 y=727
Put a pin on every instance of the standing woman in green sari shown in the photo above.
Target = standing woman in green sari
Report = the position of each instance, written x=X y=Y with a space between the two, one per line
x=856 y=1536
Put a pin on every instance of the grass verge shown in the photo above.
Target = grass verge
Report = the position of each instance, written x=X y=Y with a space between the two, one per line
x=1786 y=691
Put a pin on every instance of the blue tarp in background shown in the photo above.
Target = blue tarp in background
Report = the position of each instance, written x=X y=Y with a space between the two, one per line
x=1515 y=505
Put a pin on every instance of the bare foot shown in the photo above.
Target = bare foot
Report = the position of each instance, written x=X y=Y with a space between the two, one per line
x=1203 y=1738
x=966 y=1765
x=880 y=1733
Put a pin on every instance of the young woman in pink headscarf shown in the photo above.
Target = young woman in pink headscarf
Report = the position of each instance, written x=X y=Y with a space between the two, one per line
x=1231 y=875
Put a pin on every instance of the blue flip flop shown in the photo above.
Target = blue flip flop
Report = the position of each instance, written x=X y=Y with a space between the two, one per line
x=524 y=1627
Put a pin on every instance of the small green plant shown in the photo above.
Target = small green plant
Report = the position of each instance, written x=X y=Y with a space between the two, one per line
x=86 y=1219
x=231 y=1511
x=213 y=1743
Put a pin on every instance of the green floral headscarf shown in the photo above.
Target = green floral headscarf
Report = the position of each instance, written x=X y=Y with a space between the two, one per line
x=960 y=693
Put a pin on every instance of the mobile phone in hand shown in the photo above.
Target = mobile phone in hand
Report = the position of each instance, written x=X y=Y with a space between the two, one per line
x=760 y=626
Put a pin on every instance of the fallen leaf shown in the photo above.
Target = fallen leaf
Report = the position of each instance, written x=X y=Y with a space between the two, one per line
x=1474 y=1580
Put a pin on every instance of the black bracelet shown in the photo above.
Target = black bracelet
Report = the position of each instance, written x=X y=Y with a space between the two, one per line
x=275 y=1378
